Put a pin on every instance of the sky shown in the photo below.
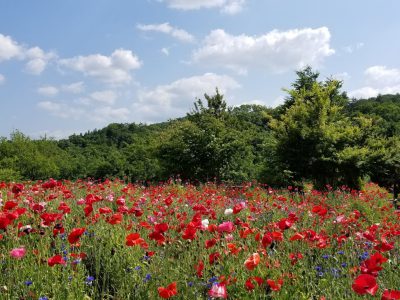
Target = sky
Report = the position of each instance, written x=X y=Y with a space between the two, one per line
x=74 y=66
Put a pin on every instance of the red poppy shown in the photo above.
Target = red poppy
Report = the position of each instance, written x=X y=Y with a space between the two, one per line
x=190 y=232
x=134 y=239
x=252 y=261
x=55 y=260
x=373 y=265
x=214 y=257
x=390 y=295
x=115 y=219
x=210 y=243
x=285 y=224
x=199 y=269
x=365 y=284
x=249 y=282
x=75 y=234
x=168 y=292
x=161 y=228
x=105 y=210
x=275 y=285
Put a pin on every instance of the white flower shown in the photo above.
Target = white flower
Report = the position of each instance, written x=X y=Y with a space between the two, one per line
x=204 y=223
x=228 y=211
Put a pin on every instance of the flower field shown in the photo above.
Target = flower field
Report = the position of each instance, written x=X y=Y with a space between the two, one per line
x=110 y=240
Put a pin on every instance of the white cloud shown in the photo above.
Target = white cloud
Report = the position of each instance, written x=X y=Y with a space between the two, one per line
x=106 y=97
x=351 y=48
x=166 y=28
x=9 y=48
x=176 y=98
x=225 y=6
x=62 y=110
x=2 y=79
x=48 y=91
x=107 y=114
x=342 y=76
x=379 y=80
x=36 y=58
x=277 y=51
x=100 y=115
x=115 y=69
x=74 y=88
x=165 y=51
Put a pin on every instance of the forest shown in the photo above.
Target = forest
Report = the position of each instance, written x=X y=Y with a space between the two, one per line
x=319 y=136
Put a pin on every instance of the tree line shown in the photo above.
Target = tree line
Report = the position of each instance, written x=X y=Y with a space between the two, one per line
x=318 y=135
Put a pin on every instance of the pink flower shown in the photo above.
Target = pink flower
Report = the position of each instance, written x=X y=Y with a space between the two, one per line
x=218 y=290
x=227 y=227
x=18 y=253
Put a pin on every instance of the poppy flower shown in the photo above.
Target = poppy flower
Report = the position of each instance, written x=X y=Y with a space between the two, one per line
x=238 y=207
x=199 y=269
x=390 y=295
x=227 y=227
x=252 y=261
x=56 y=260
x=134 y=239
x=365 y=284
x=373 y=264
x=75 y=234
x=168 y=292
x=210 y=243
x=18 y=253
x=214 y=257
x=249 y=283
x=218 y=290
x=275 y=285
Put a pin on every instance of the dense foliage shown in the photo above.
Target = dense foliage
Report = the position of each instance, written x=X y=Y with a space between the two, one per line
x=318 y=135
x=84 y=240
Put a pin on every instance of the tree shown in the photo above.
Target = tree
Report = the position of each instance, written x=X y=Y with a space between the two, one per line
x=316 y=141
x=384 y=162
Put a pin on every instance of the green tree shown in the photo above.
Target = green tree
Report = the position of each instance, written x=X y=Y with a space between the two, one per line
x=316 y=141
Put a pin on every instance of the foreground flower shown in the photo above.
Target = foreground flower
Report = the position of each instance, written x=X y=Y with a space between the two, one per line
x=218 y=290
x=252 y=261
x=275 y=285
x=75 y=234
x=390 y=295
x=18 y=253
x=365 y=284
x=227 y=227
x=168 y=292
x=56 y=260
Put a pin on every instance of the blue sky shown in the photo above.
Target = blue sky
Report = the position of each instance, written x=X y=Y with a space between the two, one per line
x=72 y=66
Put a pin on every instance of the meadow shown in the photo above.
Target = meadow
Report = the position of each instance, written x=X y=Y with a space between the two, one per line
x=111 y=240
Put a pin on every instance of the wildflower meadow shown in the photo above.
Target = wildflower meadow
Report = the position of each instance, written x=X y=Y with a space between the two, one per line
x=111 y=240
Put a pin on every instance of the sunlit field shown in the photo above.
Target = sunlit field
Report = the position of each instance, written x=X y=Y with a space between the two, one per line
x=110 y=240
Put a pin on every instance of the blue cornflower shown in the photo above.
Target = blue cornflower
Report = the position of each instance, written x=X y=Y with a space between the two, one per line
x=335 y=272
x=147 y=258
x=340 y=252
x=43 y=298
x=364 y=256
x=318 y=268
x=147 y=277
x=28 y=282
x=190 y=284
x=89 y=280
x=326 y=256
x=344 y=265
x=320 y=274
x=138 y=268
x=213 y=279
